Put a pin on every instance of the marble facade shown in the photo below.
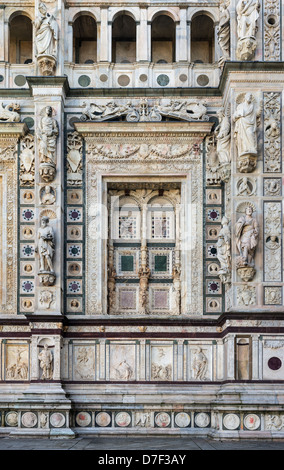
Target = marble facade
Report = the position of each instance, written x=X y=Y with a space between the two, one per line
x=141 y=222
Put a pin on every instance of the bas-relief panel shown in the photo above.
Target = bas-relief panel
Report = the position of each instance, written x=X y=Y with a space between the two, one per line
x=16 y=361
x=162 y=362
x=107 y=154
x=122 y=361
x=273 y=358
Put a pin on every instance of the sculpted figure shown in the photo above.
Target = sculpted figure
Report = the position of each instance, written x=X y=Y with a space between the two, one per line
x=224 y=250
x=46 y=32
x=46 y=359
x=47 y=134
x=245 y=126
x=200 y=363
x=144 y=274
x=224 y=29
x=46 y=245
x=247 y=231
x=223 y=137
x=48 y=196
x=248 y=13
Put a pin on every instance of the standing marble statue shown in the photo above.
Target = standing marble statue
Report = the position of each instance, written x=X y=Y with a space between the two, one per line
x=224 y=30
x=223 y=141
x=246 y=231
x=46 y=32
x=46 y=248
x=245 y=118
x=46 y=359
x=224 y=251
x=47 y=134
x=247 y=16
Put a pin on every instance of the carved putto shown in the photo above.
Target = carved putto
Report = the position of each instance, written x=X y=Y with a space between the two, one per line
x=47 y=134
x=246 y=232
x=10 y=113
x=247 y=16
x=46 y=359
x=46 y=248
x=245 y=118
x=224 y=251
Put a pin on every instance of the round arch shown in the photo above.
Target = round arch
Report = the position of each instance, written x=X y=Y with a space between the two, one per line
x=166 y=11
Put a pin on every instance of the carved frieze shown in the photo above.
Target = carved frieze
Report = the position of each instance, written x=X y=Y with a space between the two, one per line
x=74 y=159
x=27 y=161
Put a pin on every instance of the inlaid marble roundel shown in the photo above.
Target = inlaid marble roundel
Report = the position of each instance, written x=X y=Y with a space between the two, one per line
x=83 y=419
x=123 y=419
x=231 y=421
x=57 y=420
x=162 y=420
x=202 y=420
x=29 y=419
x=252 y=422
x=182 y=420
x=103 y=419
x=11 y=418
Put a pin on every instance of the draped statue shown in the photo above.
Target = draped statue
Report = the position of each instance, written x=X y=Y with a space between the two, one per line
x=224 y=30
x=46 y=32
x=246 y=231
x=224 y=251
x=247 y=15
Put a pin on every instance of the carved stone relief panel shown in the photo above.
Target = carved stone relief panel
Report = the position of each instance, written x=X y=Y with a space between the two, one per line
x=162 y=363
x=16 y=361
x=273 y=358
x=200 y=359
x=272 y=32
x=84 y=361
x=272 y=241
x=272 y=132
x=122 y=361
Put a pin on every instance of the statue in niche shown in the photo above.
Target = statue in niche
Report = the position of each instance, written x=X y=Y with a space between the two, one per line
x=46 y=32
x=199 y=365
x=246 y=231
x=223 y=141
x=46 y=248
x=245 y=118
x=176 y=289
x=224 y=31
x=111 y=286
x=47 y=136
x=224 y=251
x=247 y=15
x=45 y=357
x=212 y=162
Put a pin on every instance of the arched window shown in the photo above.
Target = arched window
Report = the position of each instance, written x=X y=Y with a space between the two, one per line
x=21 y=40
x=123 y=40
x=202 y=40
x=163 y=34
x=85 y=40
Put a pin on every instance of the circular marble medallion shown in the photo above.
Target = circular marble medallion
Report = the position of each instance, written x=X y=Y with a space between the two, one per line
x=163 y=80
x=29 y=122
x=123 y=80
x=103 y=77
x=11 y=418
x=143 y=77
x=202 y=420
x=252 y=422
x=57 y=420
x=29 y=419
x=182 y=420
x=231 y=421
x=162 y=420
x=183 y=77
x=123 y=419
x=83 y=419
x=84 y=80
x=103 y=419
x=274 y=363
x=20 y=80
x=202 y=80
